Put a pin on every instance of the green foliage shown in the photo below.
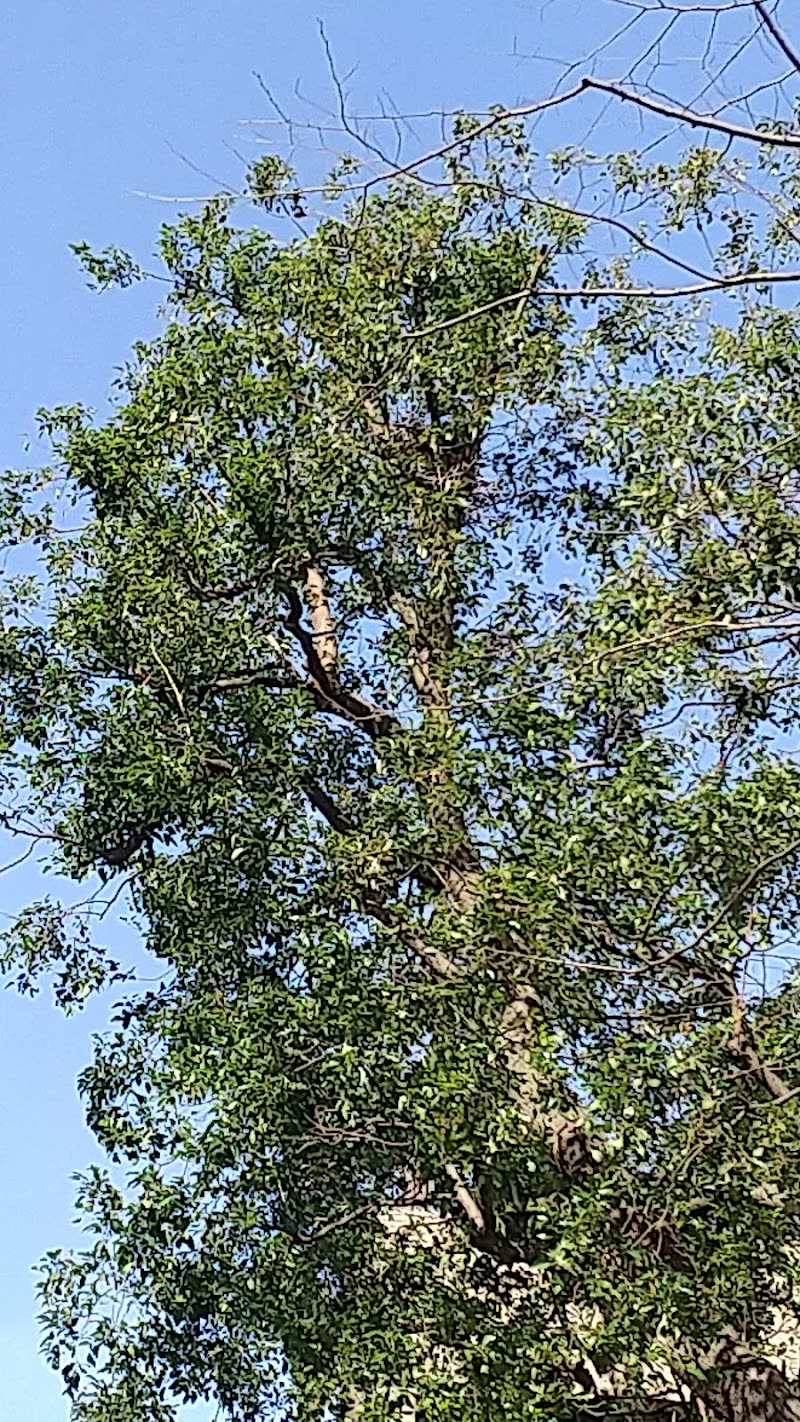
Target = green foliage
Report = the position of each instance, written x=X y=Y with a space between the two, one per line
x=270 y=185
x=427 y=662
x=111 y=267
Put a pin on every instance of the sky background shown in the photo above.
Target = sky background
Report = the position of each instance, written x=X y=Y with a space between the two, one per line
x=100 y=102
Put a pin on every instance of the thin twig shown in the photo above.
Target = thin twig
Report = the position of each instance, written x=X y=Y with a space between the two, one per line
x=597 y=293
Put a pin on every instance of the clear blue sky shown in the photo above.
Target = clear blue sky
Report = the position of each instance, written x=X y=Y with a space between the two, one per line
x=99 y=98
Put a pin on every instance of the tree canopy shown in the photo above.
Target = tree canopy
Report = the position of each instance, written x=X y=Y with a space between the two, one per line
x=425 y=669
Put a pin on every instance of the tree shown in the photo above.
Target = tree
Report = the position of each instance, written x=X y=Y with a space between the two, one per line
x=427 y=667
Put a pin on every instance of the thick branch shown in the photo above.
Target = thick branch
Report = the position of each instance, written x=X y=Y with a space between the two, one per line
x=329 y=692
x=483 y=1235
x=121 y=853
x=428 y=686
x=328 y=808
x=471 y=1208
x=770 y=23
x=710 y=122
x=441 y=965
x=322 y=623
x=566 y=1136
x=745 y=1051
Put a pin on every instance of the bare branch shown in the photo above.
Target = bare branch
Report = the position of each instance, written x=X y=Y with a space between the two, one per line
x=597 y=293
x=673 y=9
x=771 y=24
x=711 y=122
x=707 y=121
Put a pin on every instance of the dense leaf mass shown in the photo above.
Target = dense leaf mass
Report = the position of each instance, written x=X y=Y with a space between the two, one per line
x=427 y=666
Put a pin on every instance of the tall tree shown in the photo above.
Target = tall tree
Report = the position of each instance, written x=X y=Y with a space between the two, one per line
x=427 y=665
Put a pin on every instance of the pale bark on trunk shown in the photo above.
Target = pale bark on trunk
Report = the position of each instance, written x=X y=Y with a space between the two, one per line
x=749 y=1389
